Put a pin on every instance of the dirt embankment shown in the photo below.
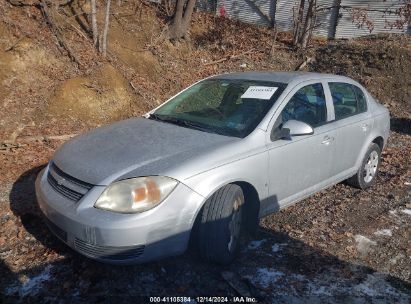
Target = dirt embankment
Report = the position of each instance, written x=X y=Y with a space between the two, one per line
x=40 y=85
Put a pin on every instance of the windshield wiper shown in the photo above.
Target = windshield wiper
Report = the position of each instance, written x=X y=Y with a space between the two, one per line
x=193 y=125
x=155 y=116
x=166 y=118
x=188 y=124
x=179 y=122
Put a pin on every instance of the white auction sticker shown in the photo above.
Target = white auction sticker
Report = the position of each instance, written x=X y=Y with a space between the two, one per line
x=259 y=92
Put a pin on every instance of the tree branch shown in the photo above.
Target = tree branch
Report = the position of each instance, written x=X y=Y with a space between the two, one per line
x=229 y=57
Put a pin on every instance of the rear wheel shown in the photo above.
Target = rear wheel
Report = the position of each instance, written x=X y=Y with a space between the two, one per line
x=220 y=226
x=368 y=171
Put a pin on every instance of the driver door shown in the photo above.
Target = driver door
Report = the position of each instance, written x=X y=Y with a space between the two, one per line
x=301 y=165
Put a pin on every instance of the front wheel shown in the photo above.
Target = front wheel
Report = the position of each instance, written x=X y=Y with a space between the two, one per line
x=368 y=171
x=221 y=225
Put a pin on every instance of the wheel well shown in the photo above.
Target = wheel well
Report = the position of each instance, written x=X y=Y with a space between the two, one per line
x=379 y=141
x=251 y=207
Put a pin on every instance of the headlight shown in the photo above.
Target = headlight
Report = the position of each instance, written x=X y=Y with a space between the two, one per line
x=136 y=194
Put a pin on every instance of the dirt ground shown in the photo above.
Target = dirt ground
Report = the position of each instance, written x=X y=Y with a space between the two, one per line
x=342 y=245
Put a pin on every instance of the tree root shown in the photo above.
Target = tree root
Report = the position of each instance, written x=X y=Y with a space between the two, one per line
x=57 y=33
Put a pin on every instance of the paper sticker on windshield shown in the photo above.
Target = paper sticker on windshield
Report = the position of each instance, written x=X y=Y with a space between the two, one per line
x=259 y=92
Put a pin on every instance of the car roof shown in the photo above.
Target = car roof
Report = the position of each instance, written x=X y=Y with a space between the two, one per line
x=281 y=77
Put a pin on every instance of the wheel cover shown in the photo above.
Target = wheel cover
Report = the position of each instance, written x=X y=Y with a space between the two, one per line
x=370 y=167
x=235 y=224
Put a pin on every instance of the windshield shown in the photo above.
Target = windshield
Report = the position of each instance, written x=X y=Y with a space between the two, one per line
x=230 y=107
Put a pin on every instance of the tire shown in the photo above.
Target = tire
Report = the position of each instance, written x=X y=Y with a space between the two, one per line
x=220 y=229
x=368 y=171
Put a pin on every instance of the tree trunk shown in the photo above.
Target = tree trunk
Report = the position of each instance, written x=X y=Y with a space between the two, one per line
x=105 y=30
x=298 y=22
x=181 y=20
x=308 y=25
x=94 y=22
x=304 y=23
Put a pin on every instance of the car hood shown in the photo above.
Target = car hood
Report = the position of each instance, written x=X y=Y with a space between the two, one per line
x=138 y=145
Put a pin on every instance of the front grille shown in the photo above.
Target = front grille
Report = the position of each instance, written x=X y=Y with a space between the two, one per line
x=60 y=233
x=67 y=185
x=67 y=192
x=107 y=252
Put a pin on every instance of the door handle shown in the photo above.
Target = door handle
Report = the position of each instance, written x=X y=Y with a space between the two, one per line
x=365 y=127
x=327 y=140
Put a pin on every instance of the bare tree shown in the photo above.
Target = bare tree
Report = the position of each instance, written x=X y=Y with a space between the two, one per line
x=304 y=23
x=305 y=17
x=309 y=24
x=94 y=21
x=298 y=21
x=103 y=49
x=181 y=20
x=404 y=15
x=100 y=39
x=400 y=8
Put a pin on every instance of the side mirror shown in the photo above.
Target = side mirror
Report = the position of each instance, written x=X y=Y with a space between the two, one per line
x=298 y=128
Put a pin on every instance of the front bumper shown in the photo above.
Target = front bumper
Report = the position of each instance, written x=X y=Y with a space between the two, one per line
x=120 y=238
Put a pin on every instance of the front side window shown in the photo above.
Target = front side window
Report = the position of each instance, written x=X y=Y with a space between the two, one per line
x=307 y=105
x=231 y=107
x=348 y=99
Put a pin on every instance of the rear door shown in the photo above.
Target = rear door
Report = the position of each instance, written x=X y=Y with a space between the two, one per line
x=353 y=122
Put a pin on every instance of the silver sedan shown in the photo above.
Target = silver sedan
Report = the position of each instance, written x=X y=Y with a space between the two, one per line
x=208 y=163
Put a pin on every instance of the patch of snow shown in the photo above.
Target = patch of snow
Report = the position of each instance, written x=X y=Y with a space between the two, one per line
x=319 y=290
x=375 y=285
x=407 y=183
x=383 y=232
x=266 y=277
x=328 y=285
x=363 y=243
x=277 y=247
x=11 y=290
x=393 y=212
x=364 y=288
x=298 y=277
x=406 y=211
x=256 y=244
x=33 y=285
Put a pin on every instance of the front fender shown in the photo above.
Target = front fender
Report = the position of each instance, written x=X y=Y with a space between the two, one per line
x=252 y=169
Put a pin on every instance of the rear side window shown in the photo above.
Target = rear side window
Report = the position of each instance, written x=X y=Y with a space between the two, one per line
x=362 y=102
x=348 y=99
x=307 y=105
